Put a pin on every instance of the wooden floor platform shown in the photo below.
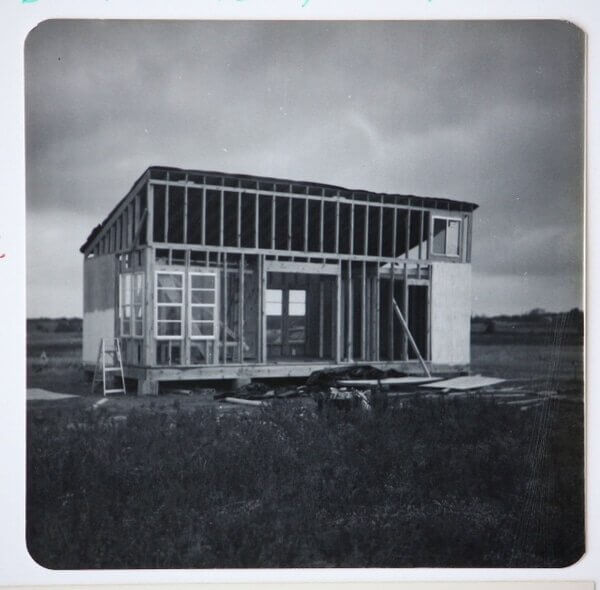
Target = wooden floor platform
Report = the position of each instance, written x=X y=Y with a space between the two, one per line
x=148 y=378
x=271 y=370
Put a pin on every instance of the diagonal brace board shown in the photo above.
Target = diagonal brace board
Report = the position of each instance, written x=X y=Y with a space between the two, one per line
x=410 y=338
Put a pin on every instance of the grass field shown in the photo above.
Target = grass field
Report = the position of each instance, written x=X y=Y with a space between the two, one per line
x=177 y=482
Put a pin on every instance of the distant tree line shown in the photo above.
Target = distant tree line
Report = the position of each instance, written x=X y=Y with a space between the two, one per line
x=535 y=315
x=573 y=320
x=55 y=324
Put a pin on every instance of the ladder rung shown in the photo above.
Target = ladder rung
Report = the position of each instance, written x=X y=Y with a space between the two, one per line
x=113 y=368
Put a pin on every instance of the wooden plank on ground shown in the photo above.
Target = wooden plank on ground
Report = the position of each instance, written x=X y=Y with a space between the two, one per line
x=243 y=402
x=409 y=380
x=460 y=394
x=502 y=396
x=402 y=394
x=526 y=402
x=37 y=394
x=466 y=382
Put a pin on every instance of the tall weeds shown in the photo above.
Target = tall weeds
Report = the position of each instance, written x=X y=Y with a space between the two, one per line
x=429 y=484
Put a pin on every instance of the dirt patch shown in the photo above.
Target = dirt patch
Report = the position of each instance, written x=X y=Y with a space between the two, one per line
x=36 y=394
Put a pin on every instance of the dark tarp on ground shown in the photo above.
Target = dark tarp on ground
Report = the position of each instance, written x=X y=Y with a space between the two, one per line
x=330 y=377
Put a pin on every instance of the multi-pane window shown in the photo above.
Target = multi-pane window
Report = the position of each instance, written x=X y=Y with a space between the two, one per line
x=203 y=305
x=125 y=304
x=131 y=304
x=274 y=299
x=169 y=305
x=274 y=311
x=296 y=322
x=138 y=305
x=297 y=302
x=446 y=236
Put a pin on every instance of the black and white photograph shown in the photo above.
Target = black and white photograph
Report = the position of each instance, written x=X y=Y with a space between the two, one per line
x=305 y=294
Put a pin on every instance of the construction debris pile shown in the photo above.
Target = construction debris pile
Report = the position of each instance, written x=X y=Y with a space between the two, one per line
x=369 y=388
x=366 y=388
x=525 y=395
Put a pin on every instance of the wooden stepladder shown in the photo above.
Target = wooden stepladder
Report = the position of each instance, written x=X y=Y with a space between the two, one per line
x=115 y=365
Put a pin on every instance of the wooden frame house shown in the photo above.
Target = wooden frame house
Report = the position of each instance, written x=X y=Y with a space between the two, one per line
x=207 y=275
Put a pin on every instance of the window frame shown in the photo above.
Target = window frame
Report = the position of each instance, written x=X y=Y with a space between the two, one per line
x=446 y=218
x=141 y=304
x=168 y=304
x=278 y=303
x=123 y=278
x=294 y=303
x=131 y=278
x=214 y=305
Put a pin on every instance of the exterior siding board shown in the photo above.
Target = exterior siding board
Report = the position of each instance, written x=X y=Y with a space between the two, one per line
x=99 y=298
x=450 y=313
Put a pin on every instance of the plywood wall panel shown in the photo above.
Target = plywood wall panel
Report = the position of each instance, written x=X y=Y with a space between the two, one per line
x=450 y=313
x=99 y=283
x=96 y=325
x=99 y=297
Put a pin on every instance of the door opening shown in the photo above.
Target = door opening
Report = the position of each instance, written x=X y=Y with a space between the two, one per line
x=418 y=319
x=299 y=311
x=393 y=344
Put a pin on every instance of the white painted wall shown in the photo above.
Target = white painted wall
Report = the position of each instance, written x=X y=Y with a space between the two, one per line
x=450 y=313
x=96 y=325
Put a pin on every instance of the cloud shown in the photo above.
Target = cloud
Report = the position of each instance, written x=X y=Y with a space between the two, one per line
x=489 y=112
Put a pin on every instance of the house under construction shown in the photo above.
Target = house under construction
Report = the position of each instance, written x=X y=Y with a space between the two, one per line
x=208 y=275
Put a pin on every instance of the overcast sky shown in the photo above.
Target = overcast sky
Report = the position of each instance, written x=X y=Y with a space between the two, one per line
x=485 y=112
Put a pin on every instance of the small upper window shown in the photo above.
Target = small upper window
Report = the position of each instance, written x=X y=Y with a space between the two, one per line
x=446 y=236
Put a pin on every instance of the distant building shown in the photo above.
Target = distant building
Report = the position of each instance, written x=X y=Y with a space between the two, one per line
x=206 y=275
